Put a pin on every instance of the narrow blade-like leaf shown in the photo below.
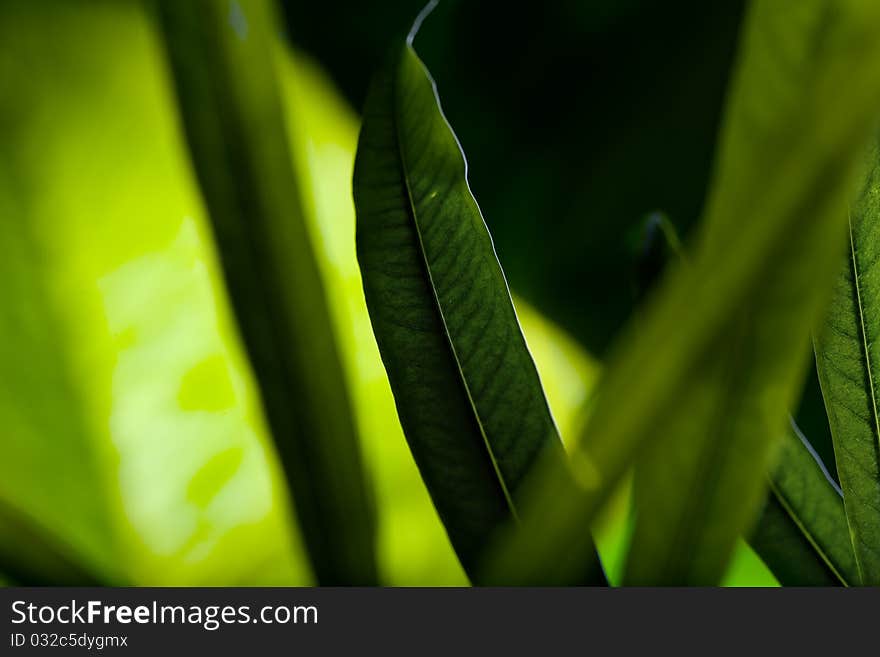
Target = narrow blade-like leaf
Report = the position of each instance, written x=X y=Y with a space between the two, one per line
x=707 y=376
x=701 y=485
x=802 y=534
x=222 y=60
x=847 y=357
x=132 y=449
x=467 y=391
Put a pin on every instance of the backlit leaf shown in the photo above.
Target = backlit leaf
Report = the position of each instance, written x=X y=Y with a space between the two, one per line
x=221 y=56
x=467 y=392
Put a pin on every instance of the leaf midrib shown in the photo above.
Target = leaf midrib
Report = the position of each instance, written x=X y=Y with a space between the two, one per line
x=784 y=503
x=865 y=349
x=412 y=212
x=789 y=509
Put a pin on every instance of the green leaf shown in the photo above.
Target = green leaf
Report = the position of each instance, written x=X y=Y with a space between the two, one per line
x=221 y=55
x=802 y=534
x=467 y=392
x=847 y=357
x=708 y=394
x=45 y=424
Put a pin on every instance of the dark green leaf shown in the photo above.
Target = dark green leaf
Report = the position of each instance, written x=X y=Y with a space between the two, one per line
x=132 y=443
x=709 y=394
x=847 y=357
x=47 y=433
x=222 y=60
x=467 y=392
x=802 y=533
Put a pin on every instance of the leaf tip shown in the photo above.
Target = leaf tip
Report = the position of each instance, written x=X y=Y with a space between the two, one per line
x=417 y=23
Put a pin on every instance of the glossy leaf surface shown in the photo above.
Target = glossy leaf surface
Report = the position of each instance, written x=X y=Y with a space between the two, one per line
x=802 y=532
x=467 y=391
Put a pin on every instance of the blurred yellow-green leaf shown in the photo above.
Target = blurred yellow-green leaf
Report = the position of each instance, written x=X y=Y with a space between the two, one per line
x=131 y=432
x=846 y=357
x=221 y=57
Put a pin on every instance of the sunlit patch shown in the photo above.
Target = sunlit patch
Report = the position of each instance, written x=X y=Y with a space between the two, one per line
x=125 y=339
x=177 y=412
x=413 y=546
x=207 y=386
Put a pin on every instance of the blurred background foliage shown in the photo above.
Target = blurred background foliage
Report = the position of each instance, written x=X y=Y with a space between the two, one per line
x=133 y=443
